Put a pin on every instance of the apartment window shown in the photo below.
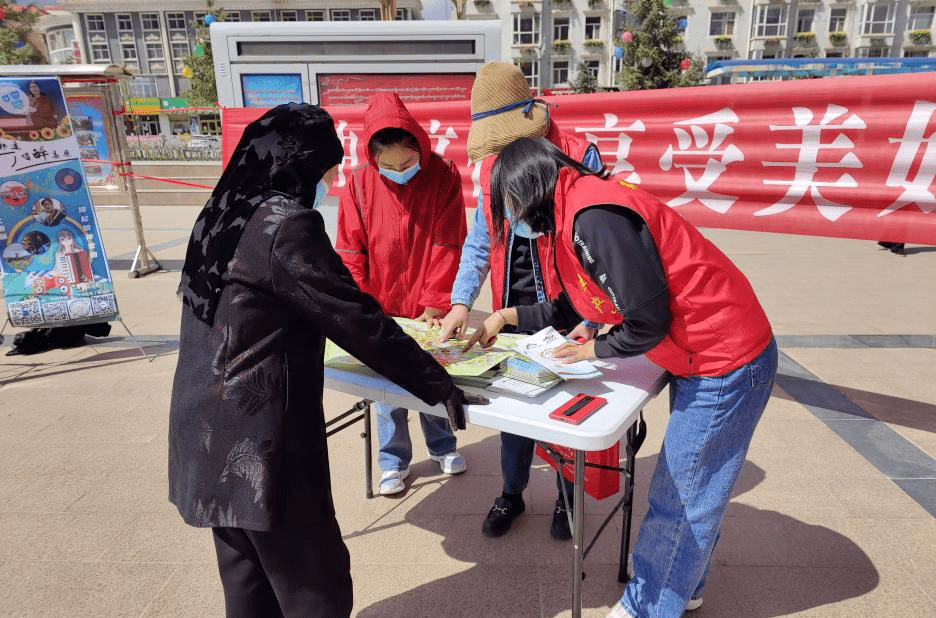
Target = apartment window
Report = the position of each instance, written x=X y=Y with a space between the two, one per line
x=61 y=45
x=771 y=20
x=154 y=51
x=916 y=53
x=593 y=27
x=341 y=14
x=560 y=72
x=95 y=23
x=289 y=16
x=837 y=20
x=561 y=29
x=804 y=20
x=180 y=50
x=402 y=14
x=526 y=29
x=530 y=70
x=210 y=125
x=147 y=124
x=921 y=17
x=315 y=15
x=593 y=67
x=878 y=19
x=150 y=21
x=261 y=16
x=128 y=52
x=835 y=54
x=233 y=16
x=175 y=21
x=367 y=15
x=124 y=22
x=721 y=24
x=872 y=52
x=100 y=52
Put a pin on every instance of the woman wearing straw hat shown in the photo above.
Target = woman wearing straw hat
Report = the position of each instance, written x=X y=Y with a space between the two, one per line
x=401 y=225
x=503 y=110
x=631 y=261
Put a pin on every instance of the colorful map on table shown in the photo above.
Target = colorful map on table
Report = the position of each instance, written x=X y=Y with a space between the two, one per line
x=474 y=362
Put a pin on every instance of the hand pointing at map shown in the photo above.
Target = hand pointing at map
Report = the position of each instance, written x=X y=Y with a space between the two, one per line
x=486 y=334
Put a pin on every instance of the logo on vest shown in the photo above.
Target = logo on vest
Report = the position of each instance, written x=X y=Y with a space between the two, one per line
x=624 y=183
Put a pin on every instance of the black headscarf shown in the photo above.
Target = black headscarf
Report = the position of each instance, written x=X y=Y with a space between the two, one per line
x=287 y=150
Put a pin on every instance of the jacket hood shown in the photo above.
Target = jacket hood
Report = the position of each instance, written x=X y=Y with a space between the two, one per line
x=385 y=110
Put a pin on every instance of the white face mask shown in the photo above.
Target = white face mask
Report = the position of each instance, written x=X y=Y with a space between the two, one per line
x=321 y=190
x=521 y=228
x=401 y=177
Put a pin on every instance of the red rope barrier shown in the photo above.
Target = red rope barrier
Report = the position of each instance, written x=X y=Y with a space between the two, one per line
x=175 y=182
x=135 y=175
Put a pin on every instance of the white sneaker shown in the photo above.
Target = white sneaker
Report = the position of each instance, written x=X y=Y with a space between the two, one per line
x=450 y=463
x=618 y=611
x=391 y=482
x=691 y=605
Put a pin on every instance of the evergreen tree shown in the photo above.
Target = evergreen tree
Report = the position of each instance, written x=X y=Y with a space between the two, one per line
x=654 y=55
x=16 y=24
x=585 y=81
x=203 y=88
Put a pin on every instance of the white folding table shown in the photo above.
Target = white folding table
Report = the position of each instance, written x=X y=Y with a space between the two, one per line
x=627 y=384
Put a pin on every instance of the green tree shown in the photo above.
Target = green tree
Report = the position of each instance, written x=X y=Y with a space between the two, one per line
x=16 y=24
x=585 y=81
x=203 y=88
x=653 y=57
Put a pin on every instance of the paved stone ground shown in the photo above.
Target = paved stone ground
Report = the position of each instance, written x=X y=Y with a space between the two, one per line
x=835 y=514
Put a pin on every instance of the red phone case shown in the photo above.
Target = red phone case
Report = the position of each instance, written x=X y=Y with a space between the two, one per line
x=583 y=412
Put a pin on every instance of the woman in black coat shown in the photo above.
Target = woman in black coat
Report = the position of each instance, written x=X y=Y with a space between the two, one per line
x=262 y=289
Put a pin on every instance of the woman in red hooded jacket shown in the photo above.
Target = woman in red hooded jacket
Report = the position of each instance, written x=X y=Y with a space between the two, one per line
x=401 y=224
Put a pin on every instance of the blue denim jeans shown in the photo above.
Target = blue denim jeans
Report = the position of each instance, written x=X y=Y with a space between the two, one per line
x=516 y=459
x=396 y=449
x=712 y=421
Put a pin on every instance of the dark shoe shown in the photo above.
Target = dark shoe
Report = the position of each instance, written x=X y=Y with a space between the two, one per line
x=898 y=248
x=501 y=515
x=559 y=529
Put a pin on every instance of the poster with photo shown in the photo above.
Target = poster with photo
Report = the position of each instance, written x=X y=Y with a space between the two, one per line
x=88 y=121
x=54 y=269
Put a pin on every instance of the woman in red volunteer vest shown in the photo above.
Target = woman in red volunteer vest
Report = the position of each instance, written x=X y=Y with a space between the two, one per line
x=401 y=224
x=625 y=258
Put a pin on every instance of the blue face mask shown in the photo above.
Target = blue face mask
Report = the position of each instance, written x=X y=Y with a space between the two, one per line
x=401 y=178
x=321 y=190
x=522 y=228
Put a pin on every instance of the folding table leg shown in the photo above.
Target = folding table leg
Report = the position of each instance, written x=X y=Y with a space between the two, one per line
x=368 y=481
x=578 y=521
x=627 y=511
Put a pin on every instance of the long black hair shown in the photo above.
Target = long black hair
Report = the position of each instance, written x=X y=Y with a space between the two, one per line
x=524 y=179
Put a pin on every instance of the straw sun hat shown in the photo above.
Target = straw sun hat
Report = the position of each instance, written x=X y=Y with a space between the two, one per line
x=502 y=110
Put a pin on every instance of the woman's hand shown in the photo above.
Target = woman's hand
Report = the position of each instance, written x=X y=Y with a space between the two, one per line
x=572 y=352
x=430 y=316
x=486 y=334
x=585 y=333
x=453 y=324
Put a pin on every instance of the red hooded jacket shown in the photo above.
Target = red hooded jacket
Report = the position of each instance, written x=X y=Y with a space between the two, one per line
x=402 y=243
x=717 y=322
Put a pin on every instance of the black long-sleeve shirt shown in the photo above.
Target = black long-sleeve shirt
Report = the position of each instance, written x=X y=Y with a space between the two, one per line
x=618 y=252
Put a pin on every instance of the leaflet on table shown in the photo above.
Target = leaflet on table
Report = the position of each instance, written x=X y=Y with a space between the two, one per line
x=539 y=346
x=448 y=353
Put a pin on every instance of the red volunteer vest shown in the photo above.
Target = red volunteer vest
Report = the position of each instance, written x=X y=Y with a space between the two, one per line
x=575 y=148
x=717 y=322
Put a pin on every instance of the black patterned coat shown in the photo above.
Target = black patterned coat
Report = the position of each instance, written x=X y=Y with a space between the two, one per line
x=247 y=445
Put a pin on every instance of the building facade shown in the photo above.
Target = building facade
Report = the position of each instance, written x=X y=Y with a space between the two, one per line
x=551 y=40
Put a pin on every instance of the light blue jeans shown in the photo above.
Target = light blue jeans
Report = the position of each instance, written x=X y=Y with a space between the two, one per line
x=711 y=425
x=396 y=448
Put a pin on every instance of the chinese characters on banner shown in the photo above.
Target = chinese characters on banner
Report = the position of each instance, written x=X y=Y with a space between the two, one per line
x=54 y=268
x=850 y=157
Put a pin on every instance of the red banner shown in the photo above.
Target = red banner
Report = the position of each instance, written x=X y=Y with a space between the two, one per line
x=849 y=157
